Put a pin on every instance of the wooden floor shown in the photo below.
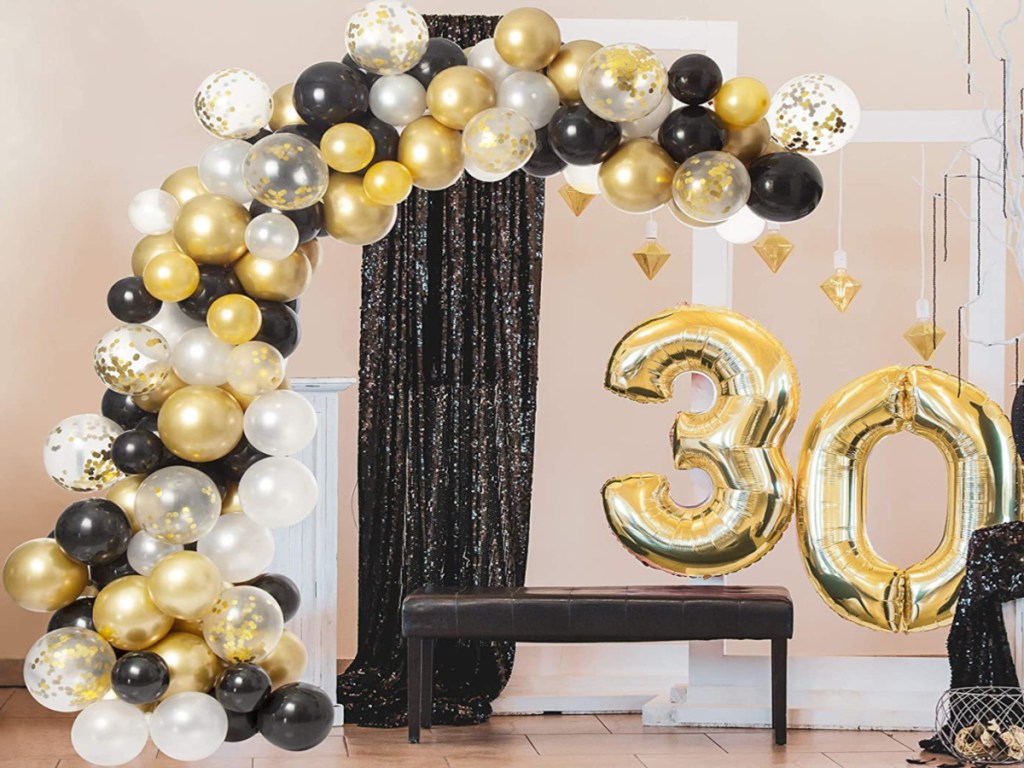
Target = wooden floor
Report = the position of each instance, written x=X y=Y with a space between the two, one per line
x=33 y=737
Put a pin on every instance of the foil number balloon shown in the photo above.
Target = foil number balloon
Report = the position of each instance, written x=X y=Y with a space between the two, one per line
x=974 y=436
x=738 y=442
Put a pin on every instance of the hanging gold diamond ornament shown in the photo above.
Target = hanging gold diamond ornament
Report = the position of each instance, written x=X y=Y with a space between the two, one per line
x=576 y=200
x=924 y=336
x=840 y=288
x=773 y=247
x=651 y=256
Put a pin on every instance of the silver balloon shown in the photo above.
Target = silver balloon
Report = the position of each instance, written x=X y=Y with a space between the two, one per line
x=280 y=423
x=398 y=99
x=530 y=94
x=220 y=169
x=285 y=171
x=110 y=732
x=68 y=669
x=171 y=323
x=199 y=357
x=239 y=546
x=152 y=212
x=498 y=141
x=649 y=124
x=583 y=178
x=177 y=505
x=623 y=82
x=278 y=492
x=77 y=453
x=188 y=726
x=271 y=236
x=387 y=37
x=484 y=56
x=132 y=359
x=145 y=551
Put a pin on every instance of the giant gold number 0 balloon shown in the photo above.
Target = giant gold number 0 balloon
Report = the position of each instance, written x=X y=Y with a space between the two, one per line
x=738 y=442
x=974 y=436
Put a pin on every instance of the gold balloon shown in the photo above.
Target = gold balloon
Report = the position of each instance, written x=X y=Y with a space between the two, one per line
x=234 y=318
x=432 y=153
x=564 y=70
x=689 y=221
x=171 y=276
x=527 y=38
x=123 y=493
x=976 y=440
x=347 y=147
x=126 y=616
x=185 y=585
x=153 y=400
x=149 y=247
x=311 y=251
x=211 y=229
x=282 y=280
x=200 y=423
x=40 y=577
x=350 y=215
x=193 y=666
x=747 y=143
x=742 y=101
x=192 y=627
x=738 y=442
x=387 y=182
x=243 y=399
x=638 y=177
x=458 y=93
x=287 y=662
x=284 y=112
x=231 y=503
x=184 y=184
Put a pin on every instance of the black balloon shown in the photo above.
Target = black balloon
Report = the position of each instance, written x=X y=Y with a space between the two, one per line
x=281 y=328
x=122 y=409
x=148 y=422
x=130 y=302
x=238 y=460
x=694 y=78
x=242 y=688
x=385 y=139
x=214 y=281
x=307 y=220
x=688 y=131
x=293 y=305
x=241 y=725
x=76 y=614
x=544 y=162
x=441 y=54
x=329 y=93
x=368 y=77
x=312 y=132
x=297 y=716
x=140 y=677
x=93 y=531
x=137 y=452
x=283 y=590
x=101 y=575
x=784 y=186
x=580 y=137
x=264 y=132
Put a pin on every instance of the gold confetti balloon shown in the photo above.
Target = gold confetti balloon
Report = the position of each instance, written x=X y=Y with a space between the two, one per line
x=233 y=104
x=527 y=38
x=177 y=505
x=234 y=318
x=193 y=666
x=351 y=216
x=274 y=280
x=564 y=70
x=742 y=101
x=245 y=625
x=623 y=82
x=40 y=577
x=711 y=186
x=68 y=669
x=211 y=229
x=201 y=422
x=815 y=114
x=185 y=585
x=499 y=140
x=638 y=177
x=184 y=184
x=253 y=369
x=285 y=171
x=132 y=359
x=77 y=453
x=386 y=183
x=287 y=662
x=432 y=153
x=387 y=37
x=126 y=616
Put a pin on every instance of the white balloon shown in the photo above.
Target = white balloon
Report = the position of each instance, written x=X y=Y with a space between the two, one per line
x=280 y=423
x=744 y=226
x=398 y=99
x=188 y=726
x=145 y=551
x=484 y=57
x=171 y=323
x=199 y=357
x=220 y=169
x=583 y=178
x=648 y=124
x=239 y=546
x=153 y=211
x=277 y=492
x=271 y=236
x=109 y=732
x=530 y=94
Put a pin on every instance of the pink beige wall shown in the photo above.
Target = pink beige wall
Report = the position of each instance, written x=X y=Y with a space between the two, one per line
x=96 y=105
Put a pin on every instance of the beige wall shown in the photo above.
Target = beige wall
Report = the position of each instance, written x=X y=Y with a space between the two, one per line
x=97 y=106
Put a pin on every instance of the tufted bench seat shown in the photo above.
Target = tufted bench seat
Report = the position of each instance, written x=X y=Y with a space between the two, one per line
x=593 y=615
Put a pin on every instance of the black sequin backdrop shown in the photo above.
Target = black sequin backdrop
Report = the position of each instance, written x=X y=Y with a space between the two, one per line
x=447 y=402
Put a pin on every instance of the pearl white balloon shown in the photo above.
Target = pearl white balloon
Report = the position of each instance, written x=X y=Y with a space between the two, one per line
x=171 y=323
x=278 y=492
x=188 y=726
x=153 y=211
x=398 y=99
x=271 y=236
x=233 y=104
x=485 y=57
x=649 y=124
x=583 y=178
x=220 y=169
x=530 y=94
x=109 y=732
x=744 y=226
x=280 y=423
x=239 y=546
x=145 y=551
x=199 y=357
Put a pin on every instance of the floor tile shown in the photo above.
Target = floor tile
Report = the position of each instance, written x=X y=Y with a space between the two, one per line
x=297 y=760
x=484 y=746
x=625 y=744
x=807 y=741
x=553 y=761
x=165 y=762
x=257 y=746
x=524 y=725
x=28 y=763
x=883 y=759
x=633 y=723
x=21 y=705
x=769 y=760
x=911 y=739
x=35 y=738
x=5 y=694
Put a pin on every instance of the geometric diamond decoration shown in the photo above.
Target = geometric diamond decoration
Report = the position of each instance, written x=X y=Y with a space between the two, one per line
x=773 y=248
x=921 y=338
x=840 y=289
x=651 y=257
x=576 y=200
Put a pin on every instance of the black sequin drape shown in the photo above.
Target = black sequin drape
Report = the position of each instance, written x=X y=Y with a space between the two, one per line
x=447 y=401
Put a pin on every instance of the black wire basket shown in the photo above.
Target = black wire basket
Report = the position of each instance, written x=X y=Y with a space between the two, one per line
x=983 y=725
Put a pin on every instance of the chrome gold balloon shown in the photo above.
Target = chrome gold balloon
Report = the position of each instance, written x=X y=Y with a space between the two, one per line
x=312 y=252
x=149 y=247
x=747 y=143
x=184 y=184
x=638 y=177
x=281 y=280
x=287 y=662
x=171 y=276
x=193 y=666
x=185 y=585
x=153 y=400
x=387 y=182
x=123 y=493
x=527 y=38
x=432 y=152
x=211 y=229
x=200 y=423
x=742 y=101
x=564 y=70
x=975 y=438
x=284 y=108
x=126 y=616
x=234 y=318
x=351 y=216
x=458 y=93
x=347 y=147
x=738 y=442
x=40 y=577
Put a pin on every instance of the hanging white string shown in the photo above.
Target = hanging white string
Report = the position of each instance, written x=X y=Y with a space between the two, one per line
x=924 y=261
x=839 y=259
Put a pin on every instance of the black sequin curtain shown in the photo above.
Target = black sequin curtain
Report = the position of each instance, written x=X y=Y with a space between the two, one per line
x=447 y=401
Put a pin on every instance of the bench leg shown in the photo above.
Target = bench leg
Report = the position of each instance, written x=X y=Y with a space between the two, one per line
x=427 y=683
x=779 y=689
x=414 y=686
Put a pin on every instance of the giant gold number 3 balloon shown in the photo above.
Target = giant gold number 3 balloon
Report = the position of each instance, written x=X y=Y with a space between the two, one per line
x=974 y=436
x=738 y=442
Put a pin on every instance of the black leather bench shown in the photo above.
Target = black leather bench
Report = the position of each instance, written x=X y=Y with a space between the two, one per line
x=592 y=615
